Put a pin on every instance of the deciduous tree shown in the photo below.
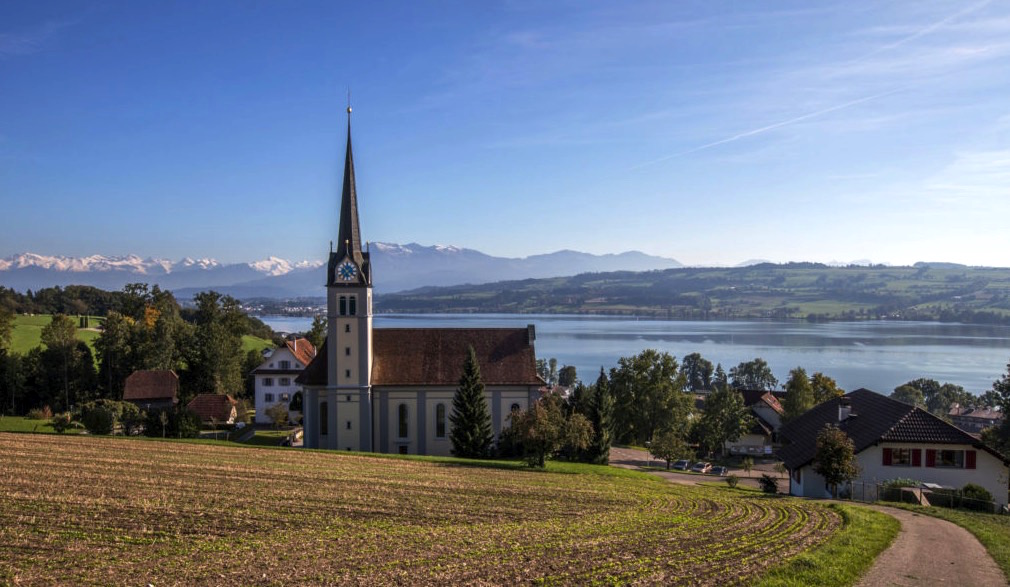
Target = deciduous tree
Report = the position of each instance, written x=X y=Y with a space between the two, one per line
x=543 y=430
x=799 y=394
x=317 y=333
x=725 y=418
x=471 y=433
x=753 y=375
x=824 y=388
x=835 y=458
x=697 y=372
x=60 y=336
x=909 y=395
x=669 y=446
x=649 y=397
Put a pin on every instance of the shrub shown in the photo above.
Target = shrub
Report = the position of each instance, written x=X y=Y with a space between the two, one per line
x=976 y=498
x=98 y=420
x=732 y=481
x=43 y=413
x=768 y=483
x=62 y=422
x=176 y=423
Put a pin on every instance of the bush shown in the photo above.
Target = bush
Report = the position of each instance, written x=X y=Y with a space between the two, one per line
x=104 y=415
x=176 y=423
x=62 y=422
x=732 y=481
x=768 y=483
x=976 y=498
x=43 y=413
x=99 y=420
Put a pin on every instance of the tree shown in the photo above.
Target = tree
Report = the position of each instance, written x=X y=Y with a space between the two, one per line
x=719 y=378
x=697 y=372
x=835 y=458
x=940 y=397
x=669 y=446
x=278 y=414
x=825 y=388
x=60 y=335
x=567 y=376
x=544 y=430
x=215 y=362
x=317 y=332
x=799 y=394
x=6 y=329
x=909 y=395
x=648 y=397
x=113 y=346
x=600 y=413
x=471 y=434
x=724 y=420
x=753 y=375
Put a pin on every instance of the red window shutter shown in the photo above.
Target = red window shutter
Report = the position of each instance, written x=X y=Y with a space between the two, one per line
x=969 y=459
x=887 y=457
x=930 y=457
x=916 y=457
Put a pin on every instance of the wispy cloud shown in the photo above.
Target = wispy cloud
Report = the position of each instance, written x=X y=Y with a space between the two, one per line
x=33 y=40
x=976 y=179
x=926 y=30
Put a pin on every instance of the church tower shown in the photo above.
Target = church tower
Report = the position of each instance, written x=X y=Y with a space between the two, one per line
x=344 y=410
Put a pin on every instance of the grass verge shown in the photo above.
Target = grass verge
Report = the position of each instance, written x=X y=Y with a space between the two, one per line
x=992 y=530
x=844 y=558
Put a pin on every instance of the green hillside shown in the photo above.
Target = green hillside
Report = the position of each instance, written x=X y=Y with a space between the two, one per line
x=28 y=332
x=809 y=291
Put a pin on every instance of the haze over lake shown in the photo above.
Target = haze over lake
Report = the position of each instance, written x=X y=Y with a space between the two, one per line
x=878 y=355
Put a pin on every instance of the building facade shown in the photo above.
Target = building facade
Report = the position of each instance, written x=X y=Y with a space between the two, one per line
x=274 y=379
x=391 y=390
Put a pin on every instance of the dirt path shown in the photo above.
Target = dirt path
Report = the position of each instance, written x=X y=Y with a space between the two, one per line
x=931 y=551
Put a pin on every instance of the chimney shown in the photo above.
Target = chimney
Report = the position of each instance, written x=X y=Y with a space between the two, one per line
x=294 y=344
x=844 y=408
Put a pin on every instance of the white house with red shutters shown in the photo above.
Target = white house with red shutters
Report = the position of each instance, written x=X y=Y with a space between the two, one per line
x=892 y=440
x=274 y=379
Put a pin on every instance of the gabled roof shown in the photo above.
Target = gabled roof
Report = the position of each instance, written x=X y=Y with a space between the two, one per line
x=875 y=419
x=434 y=356
x=752 y=397
x=212 y=405
x=302 y=349
x=151 y=386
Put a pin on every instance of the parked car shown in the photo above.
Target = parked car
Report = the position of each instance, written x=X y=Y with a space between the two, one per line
x=700 y=467
x=720 y=471
x=682 y=465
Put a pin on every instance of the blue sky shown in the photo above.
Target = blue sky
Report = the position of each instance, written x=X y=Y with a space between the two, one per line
x=710 y=132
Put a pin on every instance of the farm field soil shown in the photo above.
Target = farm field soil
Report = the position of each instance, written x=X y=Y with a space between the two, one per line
x=106 y=511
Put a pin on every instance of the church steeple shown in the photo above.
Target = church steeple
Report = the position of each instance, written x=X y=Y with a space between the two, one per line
x=349 y=234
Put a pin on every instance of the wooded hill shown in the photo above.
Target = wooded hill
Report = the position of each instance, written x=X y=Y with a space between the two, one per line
x=925 y=291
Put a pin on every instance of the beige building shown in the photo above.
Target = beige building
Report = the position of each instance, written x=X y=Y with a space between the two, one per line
x=391 y=390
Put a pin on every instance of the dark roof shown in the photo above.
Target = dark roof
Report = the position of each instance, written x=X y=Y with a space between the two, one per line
x=434 y=356
x=875 y=418
x=212 y=405
x=303 y=352
x=151 y=385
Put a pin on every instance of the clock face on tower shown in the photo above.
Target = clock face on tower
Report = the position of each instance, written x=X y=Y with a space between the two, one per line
x=346 y=271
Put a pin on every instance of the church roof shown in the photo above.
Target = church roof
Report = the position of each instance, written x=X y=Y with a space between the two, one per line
x=349 y=233
x=435 y=356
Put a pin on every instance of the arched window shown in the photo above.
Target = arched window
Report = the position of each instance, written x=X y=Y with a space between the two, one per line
x=324 y=419
x=515 y=407
x=402 y=413
x=343 y=305
x=440 y=421
x=354 y=305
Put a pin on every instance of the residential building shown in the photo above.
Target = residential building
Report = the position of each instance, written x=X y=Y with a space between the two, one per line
x=892 y=440
x=974 y=420
x=214 y=408
x=152 y=390
x=274 y=379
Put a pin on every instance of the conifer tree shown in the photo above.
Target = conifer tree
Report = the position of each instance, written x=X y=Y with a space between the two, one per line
x=600 y=413
x=471 y=434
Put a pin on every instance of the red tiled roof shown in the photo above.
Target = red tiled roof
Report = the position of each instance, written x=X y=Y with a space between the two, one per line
x=302 y=349
x=212 y=405
x=151 y=385
x=434 y=356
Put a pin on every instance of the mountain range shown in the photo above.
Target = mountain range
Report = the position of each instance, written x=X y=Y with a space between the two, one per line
x=395 y=268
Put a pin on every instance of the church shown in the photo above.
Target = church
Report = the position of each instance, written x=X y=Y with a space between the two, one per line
x=390 y=390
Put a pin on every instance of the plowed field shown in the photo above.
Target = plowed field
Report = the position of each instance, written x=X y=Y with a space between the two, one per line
x=102 y=511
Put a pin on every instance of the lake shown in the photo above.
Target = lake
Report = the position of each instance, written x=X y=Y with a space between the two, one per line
x=878 y=355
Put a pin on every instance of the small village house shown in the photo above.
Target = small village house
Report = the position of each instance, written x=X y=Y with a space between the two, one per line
x=152 y=390
x=274 y=379
x=214 y=408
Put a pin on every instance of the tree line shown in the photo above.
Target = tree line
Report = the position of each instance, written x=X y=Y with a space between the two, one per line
x=143 y=328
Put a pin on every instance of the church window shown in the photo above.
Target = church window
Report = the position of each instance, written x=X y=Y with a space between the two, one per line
x=269 y=397
x=285 y=364
x=343 y=305
x=440 y=421
x=347 y=373
x=348 y=424
x=348 y=398
x=402 y=417
x=347 y=351
x=347 y=327
x=268 y=382
x=515 y=407
x=354 y=305
x=324 y=419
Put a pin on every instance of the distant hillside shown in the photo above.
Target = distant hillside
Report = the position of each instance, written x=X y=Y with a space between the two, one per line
x=396 y=268
x=797 y=290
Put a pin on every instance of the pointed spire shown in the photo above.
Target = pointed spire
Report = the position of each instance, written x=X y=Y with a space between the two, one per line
x=349 y=236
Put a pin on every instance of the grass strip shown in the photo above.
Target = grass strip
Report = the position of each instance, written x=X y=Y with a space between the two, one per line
x=844 y=558
x=992 y=530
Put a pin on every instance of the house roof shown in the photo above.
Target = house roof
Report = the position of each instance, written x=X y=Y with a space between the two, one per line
x=752 y=397
x=151 y=385
x=987 y=414
x=875 y=418
x=434 y=356
x=212 y=405
x=302 y=349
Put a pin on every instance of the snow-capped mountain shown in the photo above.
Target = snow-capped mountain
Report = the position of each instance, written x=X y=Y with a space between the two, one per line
x=396 y=268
